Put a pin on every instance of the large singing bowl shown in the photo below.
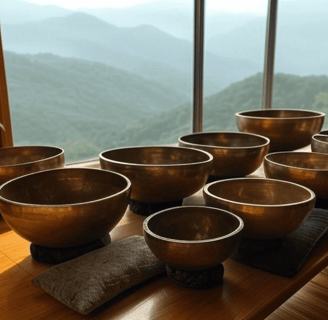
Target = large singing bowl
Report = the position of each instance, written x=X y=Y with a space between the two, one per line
x=192 y=237
x=319 y=142
x=64 y=207
x=160 y=174
x=309 y=169
x=18 y=161
x=235 y=154
x=287 y=129
x=269 y=208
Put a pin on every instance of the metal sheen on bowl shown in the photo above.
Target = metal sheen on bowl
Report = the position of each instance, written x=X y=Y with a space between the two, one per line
x=192 y=237
x=65 y=207
x=21 y=160
x=235 y=154
x=269 y=208
x=160 y=174
x=319 y=142
x=287 y=129
x=309 y=169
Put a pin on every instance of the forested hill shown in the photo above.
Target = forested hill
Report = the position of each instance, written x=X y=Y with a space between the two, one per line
x=219 y=109
x=87 y=107
x=64 y=100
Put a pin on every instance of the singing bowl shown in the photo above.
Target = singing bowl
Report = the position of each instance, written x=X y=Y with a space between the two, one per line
x=309 y=169
x=19 y=161
x=319 y=142
x=65 y=207
x=287 y=129
x=269 y=208
x=234 y=154
x=192 y=237
x=160 y=174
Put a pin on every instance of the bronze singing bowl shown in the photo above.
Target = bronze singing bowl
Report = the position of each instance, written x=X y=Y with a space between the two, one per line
x=309 y=169
x=235 y=154
x=319 y=142
x=287 y=129
x=160 y=174
x=65 y=207
x=18 y=161
x=269 y=208
x=192 y=237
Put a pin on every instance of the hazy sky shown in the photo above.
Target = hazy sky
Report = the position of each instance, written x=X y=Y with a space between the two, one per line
x=256 y=6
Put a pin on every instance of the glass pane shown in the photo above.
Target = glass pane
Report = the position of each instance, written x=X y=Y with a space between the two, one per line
x=233 y=75
x=90 y=79
x=301 y=64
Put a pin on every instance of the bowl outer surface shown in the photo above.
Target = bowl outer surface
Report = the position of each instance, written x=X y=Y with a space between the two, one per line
x=319 y=143
x=162 y=183
x=263 y=221
x=231 y=161
x=285 y=133
x=316 y=180
x=191 y=256
x=19 y=161
x=65 y=225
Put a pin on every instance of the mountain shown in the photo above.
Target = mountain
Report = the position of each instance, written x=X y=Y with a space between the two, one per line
x=143 y=50
x=87 y=107
x=290 y=91
x=172 y=17
x=300 y=44
x=19 y=11
x=76 y=103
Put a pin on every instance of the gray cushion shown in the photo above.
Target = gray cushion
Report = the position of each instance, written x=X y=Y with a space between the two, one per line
x=89 y=281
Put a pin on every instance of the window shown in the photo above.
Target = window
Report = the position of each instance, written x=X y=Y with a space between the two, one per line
x=301 y=64
x=91 y=79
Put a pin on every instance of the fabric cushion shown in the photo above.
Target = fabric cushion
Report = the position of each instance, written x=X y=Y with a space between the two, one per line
x=89 y=281
x=287 y=255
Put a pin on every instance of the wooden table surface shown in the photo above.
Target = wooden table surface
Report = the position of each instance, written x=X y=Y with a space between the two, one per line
x=246 y=292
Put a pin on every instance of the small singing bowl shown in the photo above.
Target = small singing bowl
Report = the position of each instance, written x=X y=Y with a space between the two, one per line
x=309 y=169
x=319 y=142
x=287 y=129
x=269 y=208
x=235 y=154
x=65 y=207
x=160 y=174
x=192 y=237
x=19 y=161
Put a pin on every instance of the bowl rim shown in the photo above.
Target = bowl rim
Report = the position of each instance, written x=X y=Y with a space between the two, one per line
x=62 y=152
x=266 y=159
x=16 y=203
x=104 y=159
x=236 y=231
x=208 y=193
x=317 y=135
x=317 y=114
x=224 y=147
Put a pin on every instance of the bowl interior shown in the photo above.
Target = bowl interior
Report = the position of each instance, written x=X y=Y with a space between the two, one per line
x=20 y=155
x=259 y=191
x=193 y=224
x=63 y=186
x=276 y=113
x=225 y=139
x=156 y=155
x=305 y=160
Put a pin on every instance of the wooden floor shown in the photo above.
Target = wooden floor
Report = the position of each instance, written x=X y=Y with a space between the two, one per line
x=310 y=303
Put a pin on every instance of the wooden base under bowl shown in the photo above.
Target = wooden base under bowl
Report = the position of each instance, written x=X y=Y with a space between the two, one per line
x=60 y=255
x=146 y=209
x=198 y=279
